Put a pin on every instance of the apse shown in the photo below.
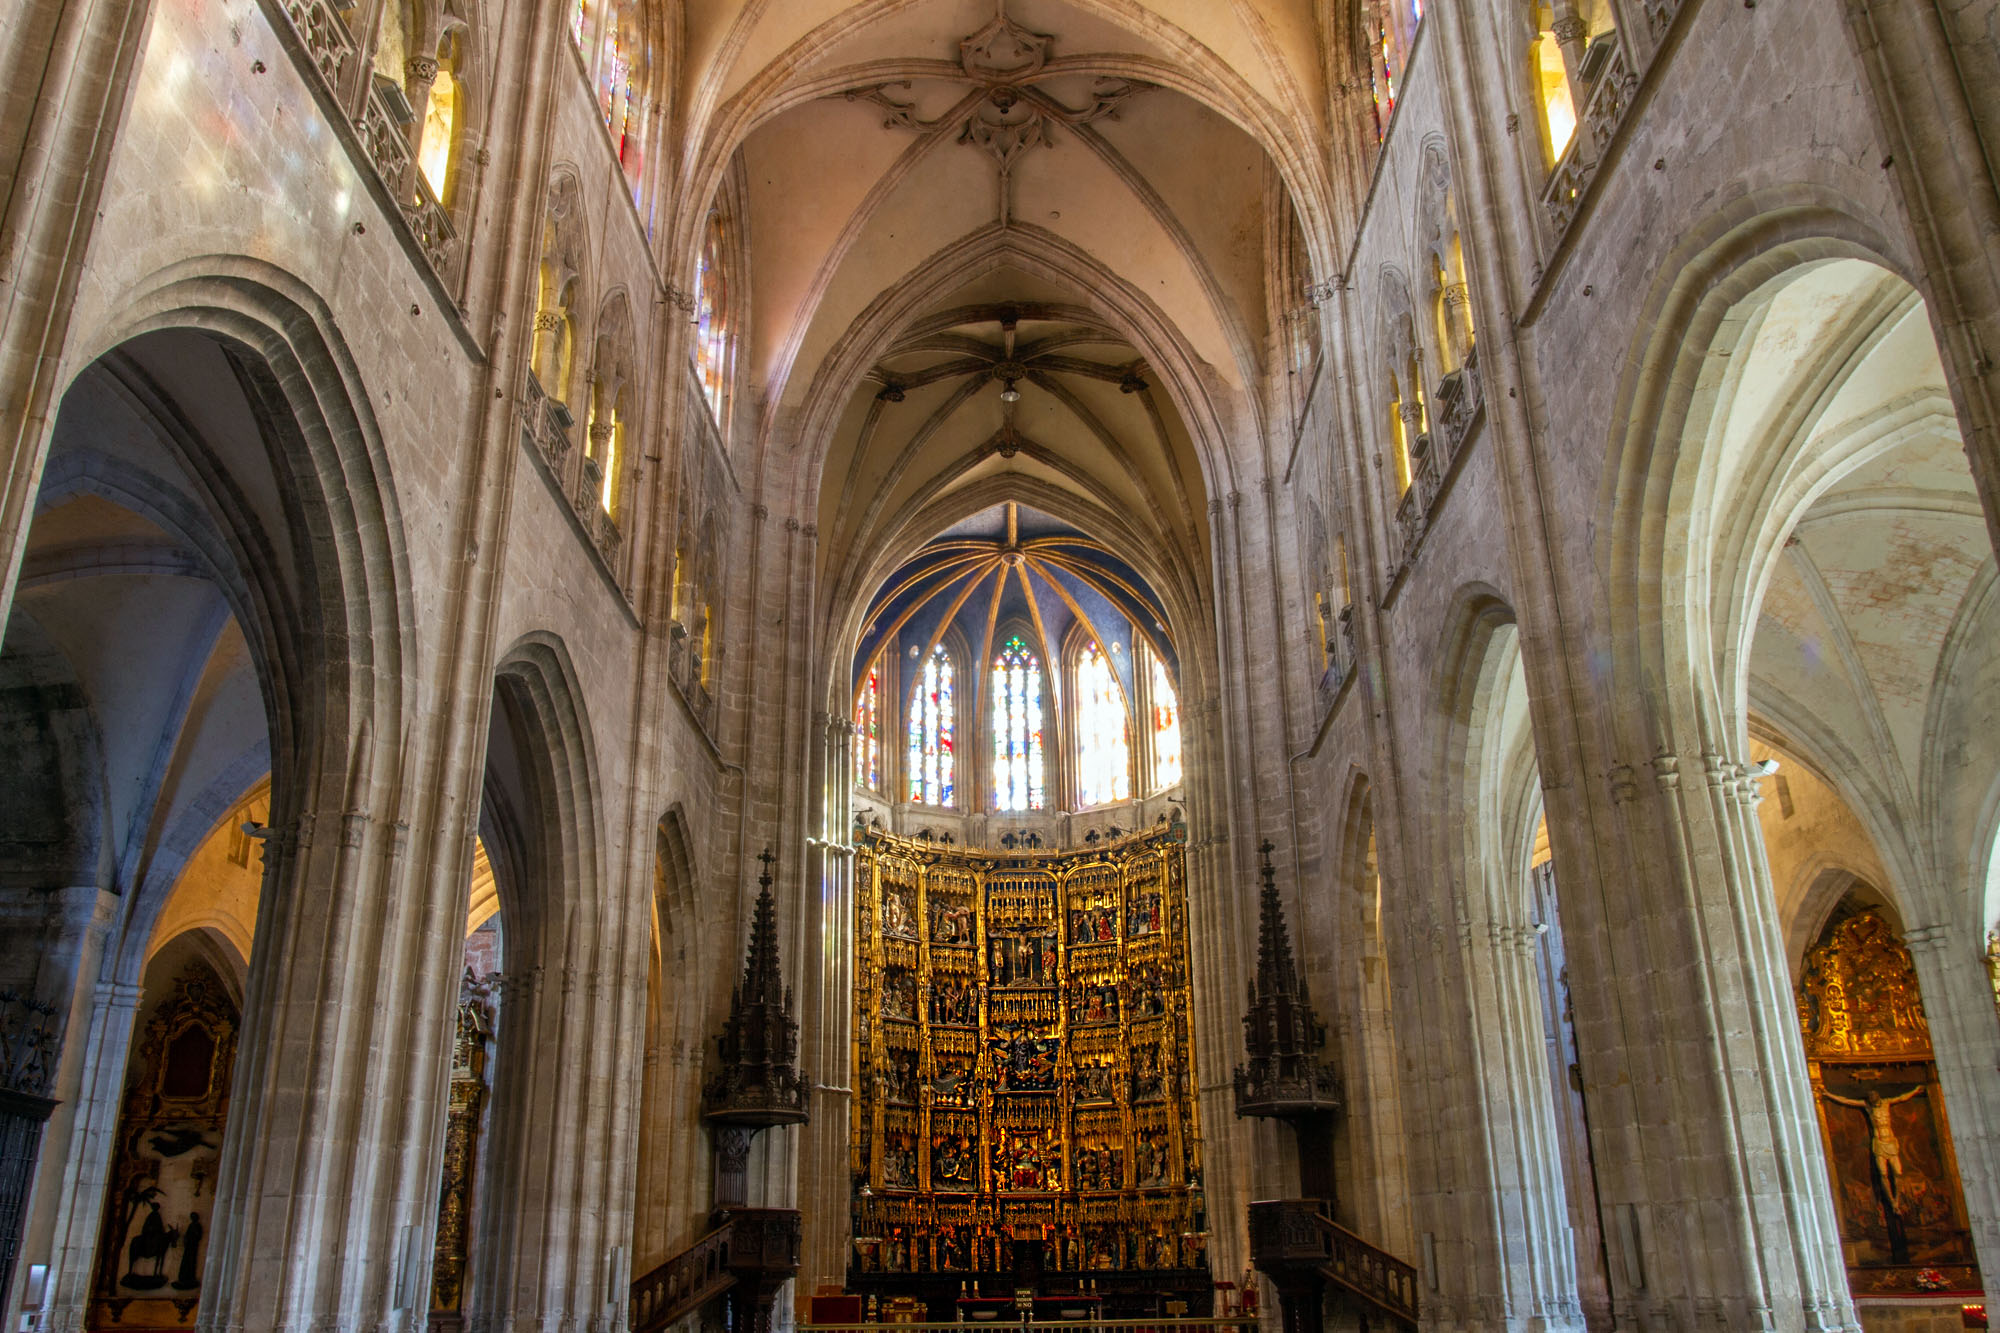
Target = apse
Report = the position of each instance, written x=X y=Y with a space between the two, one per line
x=1014 y=680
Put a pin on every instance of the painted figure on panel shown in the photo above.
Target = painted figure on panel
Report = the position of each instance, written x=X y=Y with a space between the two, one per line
x=1882 y=1142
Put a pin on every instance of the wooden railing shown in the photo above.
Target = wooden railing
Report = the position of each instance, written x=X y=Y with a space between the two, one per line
x=684 y=1283
x=747 y=1258
x=1301 y=1248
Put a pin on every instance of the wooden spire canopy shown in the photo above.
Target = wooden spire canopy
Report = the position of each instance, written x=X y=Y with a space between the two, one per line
x=1285 y=1078
x=759 y=1083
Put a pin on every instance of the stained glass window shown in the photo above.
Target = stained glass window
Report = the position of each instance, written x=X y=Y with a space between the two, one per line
x=868 y=730
x=1103 y=746
x=576 y=22
x=711 y=317
x=933 y=767
x=1384 y=80
x=1166 y=728
x=615 y=88
x=1017 y=728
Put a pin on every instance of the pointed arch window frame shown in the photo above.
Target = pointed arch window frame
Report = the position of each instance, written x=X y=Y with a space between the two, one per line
x=1030 y=784
x=933 y=770
x=1076 y=660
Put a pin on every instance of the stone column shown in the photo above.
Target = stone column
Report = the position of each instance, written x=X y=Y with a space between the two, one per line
x=1718 y=1210
x=419 y=75
x=827 y=1057
x=1965 y=1043
x=86 y=1164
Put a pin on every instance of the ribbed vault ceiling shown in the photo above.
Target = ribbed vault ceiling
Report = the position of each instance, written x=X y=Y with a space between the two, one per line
x=948 y=199
x=1013 y=569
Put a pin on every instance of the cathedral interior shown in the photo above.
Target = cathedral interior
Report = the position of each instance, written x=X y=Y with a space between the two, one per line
x=722 y=666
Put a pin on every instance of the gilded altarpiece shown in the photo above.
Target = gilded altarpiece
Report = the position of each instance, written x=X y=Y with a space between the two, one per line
x=472 y=1043
x=159 y=1205
x=1023 y=1057
x=1902 y=1216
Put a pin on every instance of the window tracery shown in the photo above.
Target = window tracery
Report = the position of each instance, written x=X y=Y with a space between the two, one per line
x=1018 y=765
x=933 y=761
x=1103 y=744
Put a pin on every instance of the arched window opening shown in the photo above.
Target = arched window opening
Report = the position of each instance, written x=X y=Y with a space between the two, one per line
x=1458 y=302
x=1550 y=67
x=1401 y=437
x=1448 y=356
x=1103 y=735
x=1166 y=727
x=555 y=334
x=711 y=318
x=605 y=441
x=868 y=730
x=1017 y=728
x=933 y=760
x=437 y=146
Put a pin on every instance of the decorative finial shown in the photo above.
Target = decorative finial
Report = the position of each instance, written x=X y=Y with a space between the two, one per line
x=1285 y=1078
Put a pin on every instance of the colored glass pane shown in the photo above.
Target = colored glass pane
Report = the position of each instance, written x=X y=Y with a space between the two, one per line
x=932 y=761
x=1103 y=746
x=1017 y=728
x=711 y=337
x=1166 y=728
x=868 y=730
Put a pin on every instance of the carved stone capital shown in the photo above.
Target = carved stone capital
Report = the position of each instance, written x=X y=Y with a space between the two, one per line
x=421 y=69
x=548 y=321
x=1569 y=28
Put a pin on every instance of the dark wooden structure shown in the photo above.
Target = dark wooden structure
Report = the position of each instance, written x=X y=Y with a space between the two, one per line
x=751 y=1252
x=1296 y=1242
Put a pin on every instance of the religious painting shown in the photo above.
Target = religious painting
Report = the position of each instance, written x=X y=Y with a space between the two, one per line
x=1895 y=1193
x=160 y=1202
x=899 y=1160
x=1023 y=960
x=1145 y=916
x=899 y=914
x=900 y=1078
x=899 y=993
x=951 y=922
x=955 y=1158
x=954 y=1082
x=1096 y=924
x=1902 y=1217
x=1152 y=1159
x=1024 y=1061
x=954 y=1001
x=1093 y=1004
x=1026 y=1160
